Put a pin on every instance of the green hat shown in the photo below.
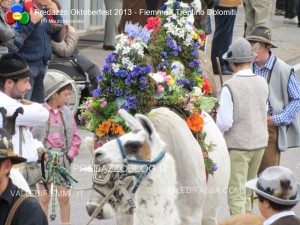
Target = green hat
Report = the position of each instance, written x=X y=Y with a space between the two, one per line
x=261 y=34
x=13 y=66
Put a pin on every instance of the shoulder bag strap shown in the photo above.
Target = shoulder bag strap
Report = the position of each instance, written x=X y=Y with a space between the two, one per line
x=16 y=206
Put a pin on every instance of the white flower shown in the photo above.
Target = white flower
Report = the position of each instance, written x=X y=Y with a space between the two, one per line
x=130 y=66
x=126 y=50
x=197 y=91
x=177 y=69
x=157 y=77
x=115 y=67
x=169 y=2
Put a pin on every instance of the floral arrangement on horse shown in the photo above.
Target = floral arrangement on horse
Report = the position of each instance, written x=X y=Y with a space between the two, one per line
x=172 y=44
x=180 y=82
x=125 y=84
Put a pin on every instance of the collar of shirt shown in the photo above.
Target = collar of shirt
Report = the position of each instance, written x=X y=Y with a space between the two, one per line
x=277 y=216
x=245 y=72
x=48 y=107
x=268 y=64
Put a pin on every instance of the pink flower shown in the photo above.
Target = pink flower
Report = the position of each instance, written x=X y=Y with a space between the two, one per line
x=103 y=104
x=160 y=88
x=167 y=79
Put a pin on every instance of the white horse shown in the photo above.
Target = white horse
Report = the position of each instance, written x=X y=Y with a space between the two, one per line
x=176 y=192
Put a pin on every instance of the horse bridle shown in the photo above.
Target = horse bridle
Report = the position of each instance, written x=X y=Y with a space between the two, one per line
x=109 y=177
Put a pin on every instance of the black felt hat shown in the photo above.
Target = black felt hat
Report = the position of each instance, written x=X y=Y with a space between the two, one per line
x=261 y=34
x=6 y=146
x=13 y=66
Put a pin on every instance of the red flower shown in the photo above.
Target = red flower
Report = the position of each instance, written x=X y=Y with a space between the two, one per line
x=203 y=39
x=206 y=88
x=153 y=23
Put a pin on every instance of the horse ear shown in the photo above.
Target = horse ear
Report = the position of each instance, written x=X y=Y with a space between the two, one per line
x=146 y=124
x=10 y=121
x=3 y=112
x=132 y=122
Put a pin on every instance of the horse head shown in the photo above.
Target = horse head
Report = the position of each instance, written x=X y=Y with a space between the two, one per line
x=124 y=160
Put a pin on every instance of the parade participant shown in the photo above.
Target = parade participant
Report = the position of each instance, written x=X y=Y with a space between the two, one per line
x=284 y=98
x=7 y=34
x=16 y=207
x=224 y=24
x=36 y=48
x=14 y=83
x=59 y=134
x=243 y=119
x=257 y=13
x=278 y=192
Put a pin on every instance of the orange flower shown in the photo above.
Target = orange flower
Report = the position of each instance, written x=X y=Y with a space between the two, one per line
x=114 y=128
x=117 y=129
x=195 y=122
x=103 y=128
x=121 y=131
x=206 y=86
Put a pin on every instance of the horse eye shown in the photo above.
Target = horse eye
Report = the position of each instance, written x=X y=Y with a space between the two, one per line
x=132 y=147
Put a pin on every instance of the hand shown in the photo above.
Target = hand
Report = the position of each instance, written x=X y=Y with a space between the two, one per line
x=270 y=121
x=52 y=6
x=69 y=158
x=36 y=16
x=71 y=29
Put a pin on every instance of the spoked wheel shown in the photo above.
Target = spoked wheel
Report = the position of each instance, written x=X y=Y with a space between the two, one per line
x=75 y=95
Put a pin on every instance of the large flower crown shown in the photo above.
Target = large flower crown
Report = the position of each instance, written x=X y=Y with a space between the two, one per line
x=170 y=43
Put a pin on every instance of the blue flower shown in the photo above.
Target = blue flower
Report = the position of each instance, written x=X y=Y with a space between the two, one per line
x=195 y=53
x=111 y=58
x=182 y=81
x=214 y=167
x=106 y=68
x=191 y=85
x=164 y=54
x=131 y=102
x=195 y=63
x=162 y=64
x=132 y=30
x=99 y=77
x=97 y=92
x=143 y=87
x=119 y=91
x=163 y=7
x=122 y=73
x=145 y=34
x=176 y=4
x=143 y=80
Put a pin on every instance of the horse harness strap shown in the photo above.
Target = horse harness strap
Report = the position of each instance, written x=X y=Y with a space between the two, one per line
x=119 y=185
x=148 y=164
x=16 y=206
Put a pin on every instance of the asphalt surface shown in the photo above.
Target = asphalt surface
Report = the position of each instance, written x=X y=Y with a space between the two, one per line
x=285 y=36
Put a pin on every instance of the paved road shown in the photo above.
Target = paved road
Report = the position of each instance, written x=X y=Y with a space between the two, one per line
x=286 y=37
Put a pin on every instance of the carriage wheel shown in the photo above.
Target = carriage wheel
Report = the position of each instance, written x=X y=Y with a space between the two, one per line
x=75 y=95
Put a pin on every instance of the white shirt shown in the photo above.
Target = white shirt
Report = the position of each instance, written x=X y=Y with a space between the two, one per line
x=225 y=112
x=33 y=115
x=277 y=216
